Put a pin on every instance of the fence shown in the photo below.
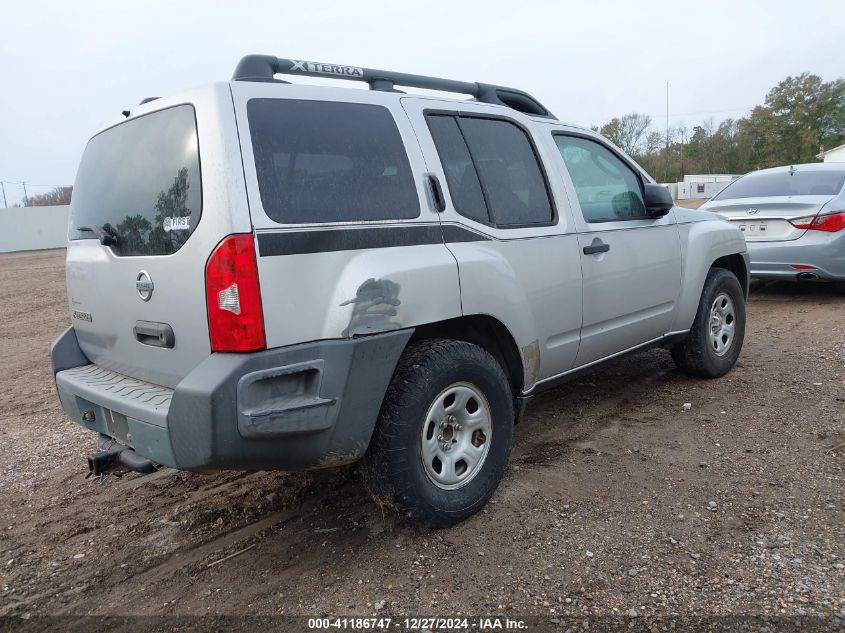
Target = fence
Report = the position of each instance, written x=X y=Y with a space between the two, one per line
x=33 y=228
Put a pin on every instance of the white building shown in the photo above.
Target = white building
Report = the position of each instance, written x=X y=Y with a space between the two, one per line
x=702 y=185
x=833 y=155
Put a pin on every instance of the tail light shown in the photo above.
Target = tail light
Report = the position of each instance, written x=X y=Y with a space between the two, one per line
x=830 y=222
x=233 y=297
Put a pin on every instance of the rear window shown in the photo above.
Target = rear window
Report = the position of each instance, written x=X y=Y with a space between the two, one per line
x=139 y=182
x=784 y=183
x=320 y=161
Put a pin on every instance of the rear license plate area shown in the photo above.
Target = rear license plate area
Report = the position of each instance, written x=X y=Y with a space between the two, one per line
x=754 y=227
x=118 y=426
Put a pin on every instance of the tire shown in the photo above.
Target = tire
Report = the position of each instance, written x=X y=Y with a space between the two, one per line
x=429 y=405
x=700 y=354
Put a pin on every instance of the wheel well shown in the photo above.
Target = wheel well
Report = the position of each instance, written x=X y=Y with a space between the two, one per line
x=486 y=332
x=736 y=264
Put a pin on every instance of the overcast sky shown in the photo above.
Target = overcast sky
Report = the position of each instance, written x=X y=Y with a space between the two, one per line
x=68 y=66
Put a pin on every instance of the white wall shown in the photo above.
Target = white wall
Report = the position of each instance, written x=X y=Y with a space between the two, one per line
x=32 y=228
x=835 y=155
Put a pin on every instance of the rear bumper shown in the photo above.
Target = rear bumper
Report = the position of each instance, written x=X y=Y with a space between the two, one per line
x=293 y=408
x=824 y=251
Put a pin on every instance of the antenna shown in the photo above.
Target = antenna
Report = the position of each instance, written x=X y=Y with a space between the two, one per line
x=667 y=132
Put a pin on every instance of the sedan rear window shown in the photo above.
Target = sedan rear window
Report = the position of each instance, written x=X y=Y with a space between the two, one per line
x=139 y=184
x=784 y=183
x=320 y=161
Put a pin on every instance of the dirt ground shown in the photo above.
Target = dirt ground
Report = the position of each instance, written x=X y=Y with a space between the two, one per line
x=693 y=203
x=620 y=499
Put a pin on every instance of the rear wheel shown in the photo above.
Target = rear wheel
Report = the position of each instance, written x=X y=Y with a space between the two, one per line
x=715 y=339
x=444 y=433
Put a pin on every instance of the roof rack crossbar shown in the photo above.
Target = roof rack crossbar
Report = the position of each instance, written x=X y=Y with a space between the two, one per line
x=265 y=67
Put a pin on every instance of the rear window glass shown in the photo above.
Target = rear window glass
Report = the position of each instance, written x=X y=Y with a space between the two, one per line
x=509 y=171
x=784 y=183
x=320 y=161
x=461 y=176
x=139 y=182
x=491 y=169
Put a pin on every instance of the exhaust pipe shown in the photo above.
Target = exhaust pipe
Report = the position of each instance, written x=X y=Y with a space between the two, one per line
x=808 y=276
x=117 y=457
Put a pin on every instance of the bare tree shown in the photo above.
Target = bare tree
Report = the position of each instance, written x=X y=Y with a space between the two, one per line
x=627 y=131
x=56 y=197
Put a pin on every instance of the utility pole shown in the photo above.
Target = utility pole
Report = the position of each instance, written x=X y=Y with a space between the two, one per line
x=5 y=204
x=26 y=199
x=666 y=179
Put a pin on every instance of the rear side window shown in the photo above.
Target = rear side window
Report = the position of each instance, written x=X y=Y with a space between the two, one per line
x=492 y=171
x=320 y=161
x=784 y=183
x=608 y=189
x=139 y=182
x=460 y=172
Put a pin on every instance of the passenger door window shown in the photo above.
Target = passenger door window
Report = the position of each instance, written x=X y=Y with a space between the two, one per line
x=608 y=189
x=492 y=170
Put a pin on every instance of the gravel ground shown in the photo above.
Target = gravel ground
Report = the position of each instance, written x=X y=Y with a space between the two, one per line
x=621 y=502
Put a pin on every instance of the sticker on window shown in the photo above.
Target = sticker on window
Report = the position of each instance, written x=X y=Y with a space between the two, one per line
x=177 y=224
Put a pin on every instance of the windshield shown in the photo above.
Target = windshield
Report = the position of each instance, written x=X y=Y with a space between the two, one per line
x=138 y=186
x=784 y=183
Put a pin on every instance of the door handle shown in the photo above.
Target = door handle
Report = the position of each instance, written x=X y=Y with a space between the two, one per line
x=593 y=249
x=155 y=334
x=436 y=193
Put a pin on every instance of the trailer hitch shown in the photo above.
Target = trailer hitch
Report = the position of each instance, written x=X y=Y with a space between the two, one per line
x=114 y=457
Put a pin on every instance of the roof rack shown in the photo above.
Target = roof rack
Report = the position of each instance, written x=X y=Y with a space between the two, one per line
x=264 y=67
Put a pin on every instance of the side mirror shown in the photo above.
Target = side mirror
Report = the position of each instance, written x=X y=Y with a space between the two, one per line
x=658 y=200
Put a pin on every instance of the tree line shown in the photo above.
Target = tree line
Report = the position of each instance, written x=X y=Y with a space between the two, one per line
x=57 y=196
x=801 y=117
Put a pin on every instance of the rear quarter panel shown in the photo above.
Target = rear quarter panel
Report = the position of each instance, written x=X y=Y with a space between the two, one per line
x=341 y=294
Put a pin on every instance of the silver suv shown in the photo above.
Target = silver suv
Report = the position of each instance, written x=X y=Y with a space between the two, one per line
x=263 y=275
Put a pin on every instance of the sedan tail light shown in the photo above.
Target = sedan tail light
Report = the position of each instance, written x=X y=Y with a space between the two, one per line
x=830 y=222
x=233 y=297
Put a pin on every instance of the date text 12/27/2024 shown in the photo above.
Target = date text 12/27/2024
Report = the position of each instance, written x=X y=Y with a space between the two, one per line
x=417 y=624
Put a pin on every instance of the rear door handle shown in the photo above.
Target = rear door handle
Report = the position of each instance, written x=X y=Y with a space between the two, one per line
x=154 y=334
x=593 y=249
x=436 y=193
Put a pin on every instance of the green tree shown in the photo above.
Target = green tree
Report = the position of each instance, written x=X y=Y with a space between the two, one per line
x=133 y=230
x=171 y=203
x=801 y=115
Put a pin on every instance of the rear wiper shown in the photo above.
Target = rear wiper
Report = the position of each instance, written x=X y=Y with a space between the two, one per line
x=106 y=233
